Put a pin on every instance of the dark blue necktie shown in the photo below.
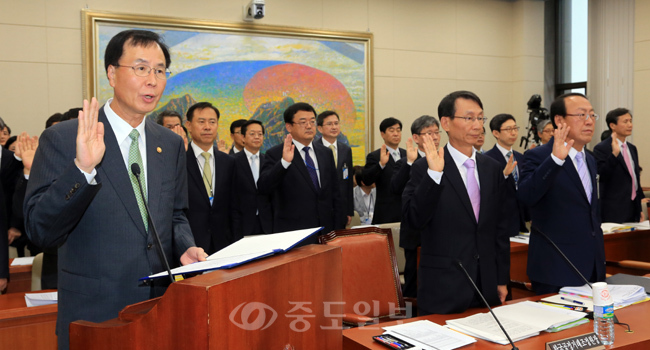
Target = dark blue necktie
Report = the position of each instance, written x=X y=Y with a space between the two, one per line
x=311 y=168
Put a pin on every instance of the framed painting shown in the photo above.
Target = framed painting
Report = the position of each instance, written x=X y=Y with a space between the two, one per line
x=248 y=71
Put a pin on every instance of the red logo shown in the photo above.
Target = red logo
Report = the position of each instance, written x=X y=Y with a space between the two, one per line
x=604 y=294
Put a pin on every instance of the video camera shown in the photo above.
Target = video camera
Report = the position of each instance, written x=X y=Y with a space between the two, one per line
x=536 y=113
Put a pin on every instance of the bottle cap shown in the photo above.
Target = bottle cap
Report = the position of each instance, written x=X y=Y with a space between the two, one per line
x=601 y=294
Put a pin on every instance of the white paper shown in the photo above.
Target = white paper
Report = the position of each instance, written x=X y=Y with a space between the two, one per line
x=23 y=261
x=622 y=294
x=429 y=336
x=39 y=299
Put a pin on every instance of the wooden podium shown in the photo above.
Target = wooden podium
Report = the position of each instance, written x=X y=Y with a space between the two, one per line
x=292 y=300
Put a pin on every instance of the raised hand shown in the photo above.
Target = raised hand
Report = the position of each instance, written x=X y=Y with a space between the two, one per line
x=383 y=156
x=616 y=150
x=411 y=151
x=179 y=130
x=435 y=159
x=221 y=146
x=510 y=166
x=90 y=137
x=287 y=150
x=559 y=137
x=26 y=149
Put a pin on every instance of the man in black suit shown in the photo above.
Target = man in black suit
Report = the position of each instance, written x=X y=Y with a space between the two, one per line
x=410 y=239
x=380 y=165
x=559 y=185
x=236 y=136
x=301 y=178
x=210 y=182
x=505 y=130
x=253 y=209
x=618 y=166
x=329 y=126
x=455 y=197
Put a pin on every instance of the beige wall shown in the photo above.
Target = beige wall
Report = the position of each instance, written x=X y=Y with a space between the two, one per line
x=642 y=86
x=423 y=50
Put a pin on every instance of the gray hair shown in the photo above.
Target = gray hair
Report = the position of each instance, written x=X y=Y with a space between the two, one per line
x=424 y=121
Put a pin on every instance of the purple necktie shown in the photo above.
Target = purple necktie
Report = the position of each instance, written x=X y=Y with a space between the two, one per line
x=584 y=175
x=472 y=187
x=311 y=168
x=629 y=168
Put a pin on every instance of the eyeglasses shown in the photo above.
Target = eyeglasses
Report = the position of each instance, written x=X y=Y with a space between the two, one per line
x=142 y=70
x=584 y=116
x=255 y=134
x=472 y=119
x=430 y=133
x=304 y=123
x=331 y=124
x=510 y=129
x=550 y=131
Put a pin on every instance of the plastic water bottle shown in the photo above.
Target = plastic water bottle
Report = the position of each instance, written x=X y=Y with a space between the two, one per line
x=603 y=313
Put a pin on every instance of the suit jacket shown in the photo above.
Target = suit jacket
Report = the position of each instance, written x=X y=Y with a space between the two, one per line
x=450 y=233
x=560 y=209
x=616 y=184
x=521 y=212
x=408 y=238
x=10 y=171
x=295 y=201
x=388 y=206
x=212 y=225
x=249 y=199
x=344 y=160
x=104 y=248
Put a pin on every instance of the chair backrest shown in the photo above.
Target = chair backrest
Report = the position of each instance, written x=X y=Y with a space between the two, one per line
x=399 y=252
x=371 y=285
x=37 y=269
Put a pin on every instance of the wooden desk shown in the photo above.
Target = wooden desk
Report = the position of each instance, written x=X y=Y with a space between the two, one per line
x=632 y=245
x=26 y=328
x=20 y=278
x=636 y=316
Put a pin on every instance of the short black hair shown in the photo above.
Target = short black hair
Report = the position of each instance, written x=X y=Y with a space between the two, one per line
x=614 y=114
x=422 y=122
x=249 y=122
x=499 y=119
x=168 y=113
x=72 y=113
x=8 y=129
x=236 y=124
x=388 y=122
x=133 y=37
x=605 y=135
x=10 y=141
x=199 y=106
x=558 y=107
x=358 y=174
x=447 y=106
x=321 y=117
x=54 y=118
x=295 y=108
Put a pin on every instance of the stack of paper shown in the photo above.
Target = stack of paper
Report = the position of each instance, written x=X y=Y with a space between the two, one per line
x=623 y=295
x=428 y=335
x=521 y=320
x=38 y=299
x=611 y=227
x=29 y=260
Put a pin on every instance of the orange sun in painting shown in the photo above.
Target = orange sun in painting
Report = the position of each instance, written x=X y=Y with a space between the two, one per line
x=303 y=84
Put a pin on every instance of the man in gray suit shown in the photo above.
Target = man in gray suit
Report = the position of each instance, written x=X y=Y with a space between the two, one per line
x=83 y=197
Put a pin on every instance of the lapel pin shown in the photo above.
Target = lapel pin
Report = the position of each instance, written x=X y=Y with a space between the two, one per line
x=159 y=150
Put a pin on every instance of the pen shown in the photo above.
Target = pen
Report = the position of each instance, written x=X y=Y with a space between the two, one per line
x=573 y=301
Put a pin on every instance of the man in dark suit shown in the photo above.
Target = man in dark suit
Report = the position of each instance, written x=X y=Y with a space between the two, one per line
x=379 y=168
x=301 y=178
x=409 y=239
x=455 y=197
x=83 y=198
x=618 y=166
x=210 y=182
x=558 y=184
x=253 y=209
x=329 y=126
x=505 y=130
x=236 y=136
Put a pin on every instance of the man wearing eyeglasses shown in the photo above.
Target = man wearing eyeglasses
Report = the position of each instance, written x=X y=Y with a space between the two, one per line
x=236 y=136
x=83 y=198
x=329 y=125
x=505 y=130
x=559 y=186
x=301 y=178
x=410 y=239
x=456 y=198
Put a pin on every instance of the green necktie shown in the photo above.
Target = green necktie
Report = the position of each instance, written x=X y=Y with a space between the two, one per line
x=334 y=153
x=135 y=157
x=207 y=173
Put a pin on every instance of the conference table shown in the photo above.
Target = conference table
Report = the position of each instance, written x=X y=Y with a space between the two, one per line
x=20 y=278
x=637 y=316
x=26 y=328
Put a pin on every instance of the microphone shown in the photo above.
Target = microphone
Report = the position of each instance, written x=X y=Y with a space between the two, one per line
x=460 y=265
x=135 y=169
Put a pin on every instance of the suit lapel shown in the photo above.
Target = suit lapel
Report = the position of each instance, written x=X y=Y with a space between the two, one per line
x=217 y=175
x=570 y=168
x=302 y=168
x=194 y=174
x=323 y=164
x=484 y=183
x=113 y=170
x=246 y=169
x=154 y=165
x=452 y=174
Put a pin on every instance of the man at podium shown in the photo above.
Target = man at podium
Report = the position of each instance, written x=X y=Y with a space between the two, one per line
x=83 y=197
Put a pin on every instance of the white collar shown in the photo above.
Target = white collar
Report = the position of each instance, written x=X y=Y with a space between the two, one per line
x=198 y=150
x=120 y=127
x=458 y=157
x=249 y=154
